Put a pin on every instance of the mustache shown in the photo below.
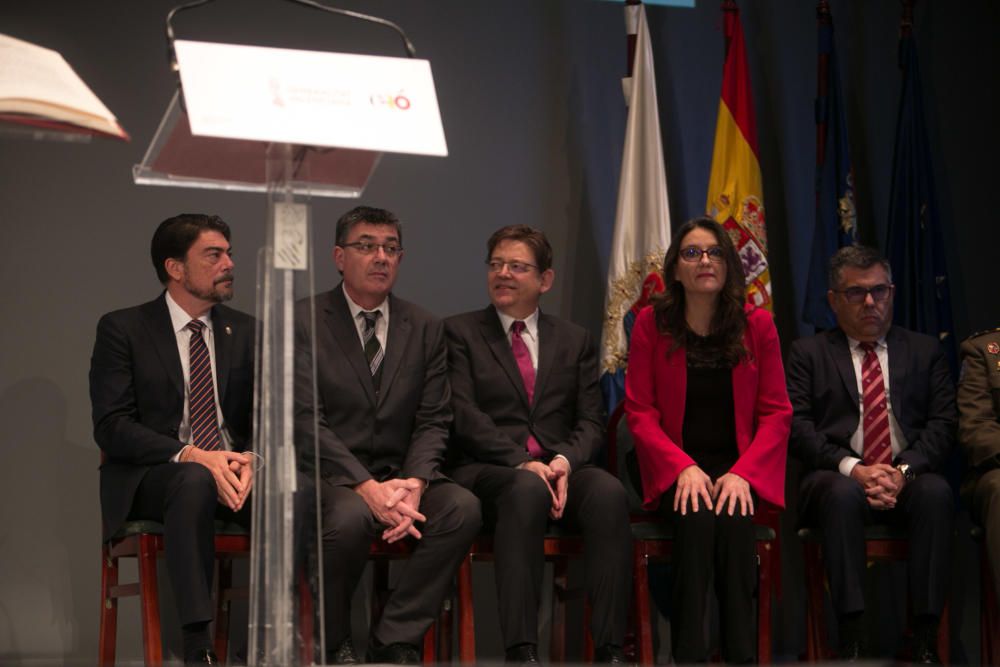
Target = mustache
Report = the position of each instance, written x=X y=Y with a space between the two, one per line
x=224 y=278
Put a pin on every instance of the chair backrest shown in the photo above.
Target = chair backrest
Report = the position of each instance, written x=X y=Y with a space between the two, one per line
x=621 y=458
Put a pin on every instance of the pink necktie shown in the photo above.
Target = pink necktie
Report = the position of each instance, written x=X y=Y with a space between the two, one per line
x=523 y=358
x=877 y=443
x=203 y=415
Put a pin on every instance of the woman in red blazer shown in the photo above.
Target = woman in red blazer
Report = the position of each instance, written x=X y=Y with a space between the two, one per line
x=708 y=410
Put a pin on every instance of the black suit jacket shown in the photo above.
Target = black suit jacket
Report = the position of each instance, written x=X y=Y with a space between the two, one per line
x=137 y=394
x=492 y=415
x=401 y=432
x=826 y=410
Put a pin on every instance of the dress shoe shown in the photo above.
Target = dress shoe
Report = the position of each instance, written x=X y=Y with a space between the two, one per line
x=925 y=650
x=610 y=654
x=202 y=656
x=343 y=654
x=396 y=653
x=522 y=654
x=851 y=650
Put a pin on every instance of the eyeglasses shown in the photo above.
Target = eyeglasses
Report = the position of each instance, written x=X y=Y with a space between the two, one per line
x=693 y=253
x=860 y=294
x=391 y=250
x=496 y=266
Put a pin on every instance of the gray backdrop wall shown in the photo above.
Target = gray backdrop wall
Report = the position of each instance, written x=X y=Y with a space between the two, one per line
x=533 y=113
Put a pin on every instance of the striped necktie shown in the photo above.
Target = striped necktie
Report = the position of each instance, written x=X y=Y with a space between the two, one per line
x=373 y=350
x=875 y=413
x=202 y=410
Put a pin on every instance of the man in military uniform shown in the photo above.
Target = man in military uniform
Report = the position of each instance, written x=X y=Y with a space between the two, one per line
x=979 y=434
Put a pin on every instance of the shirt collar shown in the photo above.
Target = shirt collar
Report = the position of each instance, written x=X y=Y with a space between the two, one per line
x=357 y=310
x=530 y=323
x=855 y=344
x=179 y=318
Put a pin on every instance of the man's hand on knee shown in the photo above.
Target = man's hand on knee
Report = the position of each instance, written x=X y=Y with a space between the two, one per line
x=388 y=509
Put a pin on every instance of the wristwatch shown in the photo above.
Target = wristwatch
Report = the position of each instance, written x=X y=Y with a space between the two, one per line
x=905 y=470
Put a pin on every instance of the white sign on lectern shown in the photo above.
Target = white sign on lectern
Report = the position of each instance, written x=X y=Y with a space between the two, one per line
x=311 y=98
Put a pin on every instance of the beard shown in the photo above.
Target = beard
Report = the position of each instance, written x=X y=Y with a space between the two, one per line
x=221 y=290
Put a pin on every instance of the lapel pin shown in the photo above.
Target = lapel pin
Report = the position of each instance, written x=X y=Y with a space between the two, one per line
x=229 y=330
x=993 y=348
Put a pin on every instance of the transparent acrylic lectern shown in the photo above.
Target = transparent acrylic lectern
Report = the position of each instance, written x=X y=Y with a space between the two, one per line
x=286 y=605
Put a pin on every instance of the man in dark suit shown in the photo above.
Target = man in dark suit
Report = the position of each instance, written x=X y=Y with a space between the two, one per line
x=979 y=435
x=873 y=423
x=528 y=426
x=383 y=418
x=171 y=388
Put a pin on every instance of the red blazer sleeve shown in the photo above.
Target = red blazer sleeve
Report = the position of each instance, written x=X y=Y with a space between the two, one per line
x=763 y=411
x=649 y=383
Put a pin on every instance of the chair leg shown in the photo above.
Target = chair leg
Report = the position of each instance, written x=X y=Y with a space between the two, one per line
x=989 y=620
x=815 y=635
x=430 y=645
x=466 y=616
x=108 y=633
x=588 y=638
x=309 y=653
x=149 y=602
x=445 y=627
x=764 y=570
x=224 y=584
x=560 y=588
x=944 y=635
x=643 y=613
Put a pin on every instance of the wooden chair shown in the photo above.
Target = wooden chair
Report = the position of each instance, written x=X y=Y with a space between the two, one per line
x=882 y=544
x=652 y=540
x=143 y=540
x=989 y=616
x=559 y=546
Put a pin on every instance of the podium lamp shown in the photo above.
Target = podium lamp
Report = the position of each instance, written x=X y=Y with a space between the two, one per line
x=292 y=125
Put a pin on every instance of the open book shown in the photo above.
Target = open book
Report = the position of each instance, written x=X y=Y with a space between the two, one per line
x=38 y=88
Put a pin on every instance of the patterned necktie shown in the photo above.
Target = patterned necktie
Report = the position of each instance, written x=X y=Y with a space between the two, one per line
x=373 y=350
x=877 y=443
x=523 y=358
x=203 y=414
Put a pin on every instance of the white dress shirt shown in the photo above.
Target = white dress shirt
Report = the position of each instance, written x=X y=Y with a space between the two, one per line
x=381 y=323
x=896 y=437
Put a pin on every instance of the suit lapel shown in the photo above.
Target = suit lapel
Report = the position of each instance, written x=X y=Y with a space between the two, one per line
x=546 y=354
x=899 y=352
x=396 y=341
x=496 y=338
x=222 y=333
x=840 y=349
x=161 y=333
x=337 y=316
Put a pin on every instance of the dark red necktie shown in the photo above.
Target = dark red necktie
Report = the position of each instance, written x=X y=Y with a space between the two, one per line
x=203 y=415
x=875 y=412
x=523 y=358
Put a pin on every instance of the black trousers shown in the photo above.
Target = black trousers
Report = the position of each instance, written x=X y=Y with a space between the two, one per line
x=182 y=496
x=707 y=545
x=837 y=505
x=986 y=510
x=453 y=521
x=516 y=503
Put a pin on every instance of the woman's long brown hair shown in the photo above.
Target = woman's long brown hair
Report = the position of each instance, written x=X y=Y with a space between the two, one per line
x=729 y=321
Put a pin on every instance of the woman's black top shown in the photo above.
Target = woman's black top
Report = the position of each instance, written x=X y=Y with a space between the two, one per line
x=709 y=431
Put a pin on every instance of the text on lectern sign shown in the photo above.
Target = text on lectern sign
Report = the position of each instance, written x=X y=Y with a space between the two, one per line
x=312 y=98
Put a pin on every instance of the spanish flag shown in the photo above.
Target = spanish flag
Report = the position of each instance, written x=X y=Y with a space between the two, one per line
x=735 y=194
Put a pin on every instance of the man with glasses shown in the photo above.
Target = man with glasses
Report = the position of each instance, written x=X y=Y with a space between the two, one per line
x=528 y=427
x=874 y=421
x=383 y=404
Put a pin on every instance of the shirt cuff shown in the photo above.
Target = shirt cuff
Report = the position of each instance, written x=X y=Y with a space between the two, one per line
x=176 y=458
x=847 y=464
